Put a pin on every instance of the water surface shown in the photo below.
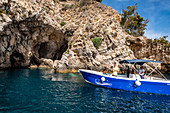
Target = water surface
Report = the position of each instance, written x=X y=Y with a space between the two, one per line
x=42 y=90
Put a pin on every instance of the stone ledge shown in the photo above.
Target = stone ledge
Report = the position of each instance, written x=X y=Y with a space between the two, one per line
x=59 y=71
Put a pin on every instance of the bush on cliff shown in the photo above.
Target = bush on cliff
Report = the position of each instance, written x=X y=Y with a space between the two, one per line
x=132 y=22
x=161 y=40
x=1 y=12
x=97 y=41
x=62 y=23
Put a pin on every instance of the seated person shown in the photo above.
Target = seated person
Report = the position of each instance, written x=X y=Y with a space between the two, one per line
x=104 y=71
x=141 y=72
x=115 y=69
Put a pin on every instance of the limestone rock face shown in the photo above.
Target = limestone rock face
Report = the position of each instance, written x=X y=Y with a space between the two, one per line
x=59 y=34
x=25 y=40
x=21 y=40
x=154 y=51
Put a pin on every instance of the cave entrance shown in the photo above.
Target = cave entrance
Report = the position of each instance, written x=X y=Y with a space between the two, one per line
x=53 y=48
x=17 y=59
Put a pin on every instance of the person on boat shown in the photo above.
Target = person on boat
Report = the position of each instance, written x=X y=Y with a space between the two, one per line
x=115 y=69
x=105 y=70
x=128 y=71
x=141 y=72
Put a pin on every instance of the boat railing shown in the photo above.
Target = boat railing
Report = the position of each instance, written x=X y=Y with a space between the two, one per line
x=156 y=70
x=144 y=62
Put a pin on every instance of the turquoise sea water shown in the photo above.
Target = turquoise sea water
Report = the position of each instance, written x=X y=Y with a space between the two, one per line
x=42 y=90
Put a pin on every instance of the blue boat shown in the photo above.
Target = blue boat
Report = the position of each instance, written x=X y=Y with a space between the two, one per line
x=133 y=82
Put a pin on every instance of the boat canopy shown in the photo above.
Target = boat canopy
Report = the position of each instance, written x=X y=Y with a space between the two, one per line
x=138 y=61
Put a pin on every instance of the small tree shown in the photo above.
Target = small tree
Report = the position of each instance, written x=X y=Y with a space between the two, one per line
x=163 y=40
x=132 y=22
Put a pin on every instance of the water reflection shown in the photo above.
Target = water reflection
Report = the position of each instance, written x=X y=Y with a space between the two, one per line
x=71 y=77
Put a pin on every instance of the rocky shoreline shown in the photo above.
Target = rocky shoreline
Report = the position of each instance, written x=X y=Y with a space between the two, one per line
x=48 y=67
x=59 y=35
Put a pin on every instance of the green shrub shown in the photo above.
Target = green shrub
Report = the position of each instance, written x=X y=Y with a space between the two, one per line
x=62 y=23
x=162 y=40
x=67 y=51
x=47 y=10
x=167 y=45
x=149 y=41
x=24 y=15
x=2 y=11
x=155 y=41
x=97 y=41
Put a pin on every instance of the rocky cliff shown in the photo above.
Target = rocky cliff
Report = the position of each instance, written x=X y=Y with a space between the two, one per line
x=59 y=34
x=155 y=51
